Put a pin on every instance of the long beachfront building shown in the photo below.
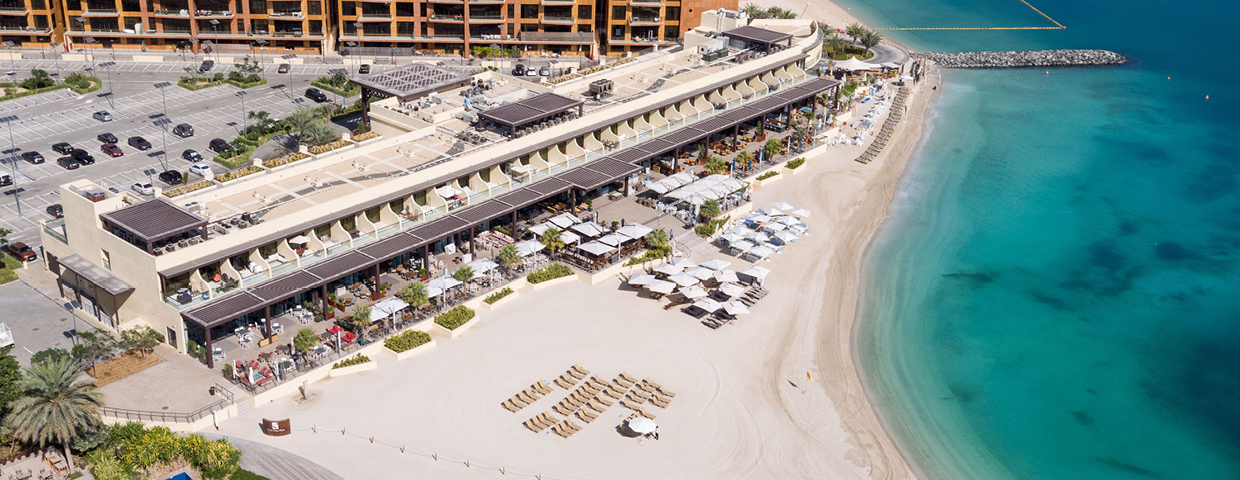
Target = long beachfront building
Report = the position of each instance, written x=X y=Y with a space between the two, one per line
x=368 y=27
x=195 y=264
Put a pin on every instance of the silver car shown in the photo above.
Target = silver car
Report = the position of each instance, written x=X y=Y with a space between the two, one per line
x=103 y=116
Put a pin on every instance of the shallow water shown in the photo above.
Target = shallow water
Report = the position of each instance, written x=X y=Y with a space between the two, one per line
x=1055 y=295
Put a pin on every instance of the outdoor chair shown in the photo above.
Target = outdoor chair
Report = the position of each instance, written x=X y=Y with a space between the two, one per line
x=602 y=399
x=626 y=379
x=533 y=426
x=630 y=405
x=659 y=402
x=613 y=393
x=525 y=398
x=586 y=416
x=575 y=374
x=561 y=430
x=543 y=388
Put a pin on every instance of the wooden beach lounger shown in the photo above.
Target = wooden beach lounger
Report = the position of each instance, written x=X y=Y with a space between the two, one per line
x=563 y=409
x=645 y=413
x=561 y=430
x=614 y=393
x=586 y=416
x=511 y=407
x=525 y=398
x=660 y=402
x=575 y=374
x=543 y=388
x=603 y=400
x=667 y=392
x=580 y=370
x=631 y=406
x=624 y=376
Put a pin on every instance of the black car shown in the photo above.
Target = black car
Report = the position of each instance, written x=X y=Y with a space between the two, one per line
x=316 y=95
x=364 y=69
x=32 y=157
x=55 y=211
x=107 y=138
x=139 y=143
x=170 y=177
x=518 y=71
x=82 y=157
x=183 y=130
x=68 y=162
x=192 y=156
x=62 y=148
x=220 y=147
x=207 y=65
x=283 y=68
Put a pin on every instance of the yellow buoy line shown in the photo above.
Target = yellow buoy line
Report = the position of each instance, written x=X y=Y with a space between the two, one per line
x=1058 y=26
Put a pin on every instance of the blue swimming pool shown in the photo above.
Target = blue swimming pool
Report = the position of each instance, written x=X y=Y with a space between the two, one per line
x=180 y=476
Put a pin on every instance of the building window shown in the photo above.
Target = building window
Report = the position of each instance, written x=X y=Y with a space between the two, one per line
x=673 y=13
x=106 y=259
x=529 y=11
x=671 y=32
x=423 y=6
x=585 y=27
x=316 y=27
x=585 y=12
x=348 y=8
x=314 y=8
x=617 y=13
x=512 y=10
x=37 y=5
x=404 y=9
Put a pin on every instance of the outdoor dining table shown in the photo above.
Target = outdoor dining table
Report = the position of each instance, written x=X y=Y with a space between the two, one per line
x=265 y=355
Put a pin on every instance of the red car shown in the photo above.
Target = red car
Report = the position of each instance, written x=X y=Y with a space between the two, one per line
x=21 y=252
x=112 y=150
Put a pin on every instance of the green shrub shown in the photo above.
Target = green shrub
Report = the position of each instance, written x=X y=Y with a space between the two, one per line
x=650 y=255
x=351 y=361
x=110 y=468
x=495 y=297
x=406 y=340
x=502 y=230
x=550 y=272
x=456 y=317
x=794 y=163
x=247 y=475
x=767 y=175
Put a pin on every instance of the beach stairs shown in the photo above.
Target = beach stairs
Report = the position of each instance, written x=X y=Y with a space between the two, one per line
x=889 y=126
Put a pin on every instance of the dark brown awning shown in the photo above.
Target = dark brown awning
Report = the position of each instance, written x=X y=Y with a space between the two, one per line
x=757 y=35
x=531 y=109
x=154 y=219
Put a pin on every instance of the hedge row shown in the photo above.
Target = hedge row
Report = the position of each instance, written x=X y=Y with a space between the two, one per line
x=454 y=318
x=407 y=340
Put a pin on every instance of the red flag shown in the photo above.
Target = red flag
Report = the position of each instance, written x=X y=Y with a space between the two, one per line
x=809 y=377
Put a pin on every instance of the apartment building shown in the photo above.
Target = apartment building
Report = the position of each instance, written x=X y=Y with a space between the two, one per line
x=457 y=26
x=28 y=21
x=636 y=25
x=202 y=265
x=236 y=26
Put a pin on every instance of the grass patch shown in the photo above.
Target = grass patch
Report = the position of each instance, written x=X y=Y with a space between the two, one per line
x=192 y=84
x=649 y=256
x=8 y=272
x=350 y=88
x=90 y=84
x=850 y=52
x=407 y=340
x=495 y=297
x=245 y=85
x=550 y=272
x=351 y=361
x=456 y=317
x=116 y=368
x=767 y=175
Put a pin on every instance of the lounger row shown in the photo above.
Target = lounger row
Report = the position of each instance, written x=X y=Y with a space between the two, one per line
x=570 y=378
x=527 y=396
x=566 y=428
x=540 y=422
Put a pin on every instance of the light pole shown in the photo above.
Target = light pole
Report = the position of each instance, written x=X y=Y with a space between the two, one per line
x=286 y=58
x=163 y=135
x=336 y=91
x=215 y=26
x=55 y=58
x=244 y=127
x=12 y=58
x=161 y=86
x=109 y=74
x=13 y=149
x=211 y=45
x=261 y=43
x=354 y=44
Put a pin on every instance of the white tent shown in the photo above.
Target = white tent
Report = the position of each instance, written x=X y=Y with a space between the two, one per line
x=529 y=247
x=760 y=218
x=683 y=280
x=760 y=252
x=731 y=289
x=891 y=65
x=564 y=220
x=716 y=264
x=569 y=238
x=669 y=269
x=757 y=272
x=595 y=248
x=785 y=206
x=729 y=237
x=726 y=276
x=481 y=267
x=642 y=425
x=741 y=247
x=684 y=262
x=735 y=308
x=660 y=286
x=299 y=240
x=541 y=228
x=386 y=307
x=700 y=273
x=788 y=220
x=786 y=237
x=588 y=229
x=443 y=283
x=641 y=279
x=612 y=240
x=707 y=304
x=432 y=292
x=774 y=227
x=693 y=292
x=801 y=212
x=634 y=230
x=852 y=65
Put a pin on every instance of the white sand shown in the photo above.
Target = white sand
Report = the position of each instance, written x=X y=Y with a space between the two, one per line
x=740 y=411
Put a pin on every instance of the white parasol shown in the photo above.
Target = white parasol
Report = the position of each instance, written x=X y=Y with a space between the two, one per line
x=668 y=269
x=693 y=292
x=735 y=308
x=641 y=279
x=707 y=304
x=700 y=273
x=660 y=286
x=642 y=425
x=785 y=206
x=726 y=276
x=731 y=289
x=683 y=280
x=716 y=264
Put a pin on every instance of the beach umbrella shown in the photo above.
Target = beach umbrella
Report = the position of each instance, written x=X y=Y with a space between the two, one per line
x=739 y=230
x=564 y=220
x=641 y=279
x=741 y=246
x=759 y=237
x=729 y=237
x=445 y=282
x=693 y=292
x=786 y=237
x=731 y=289
x=612 y=240
x=683 y=280
x=594 y=248
x=774 y=227
x=660 y=286
x=735 y=308
x=716 y=264
x=299 y=240
x=760 y=218
x=757 y=272
x=634 y=230
x=683 y=262
x=726 y=276
x=529 y=247
x=788 y=220
x=642 y=425
x=432 y=292
x=785 y=206
x=761 y=251
x=483 y=266
x=700 y=273
x=668 y=269
x=569 y=238
x=852 y=65
x=801 y=212
x=388 y=306
x=707 y=304
x=588 y=229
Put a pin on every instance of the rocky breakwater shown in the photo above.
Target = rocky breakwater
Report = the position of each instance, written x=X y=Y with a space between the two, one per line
x=1027 y=58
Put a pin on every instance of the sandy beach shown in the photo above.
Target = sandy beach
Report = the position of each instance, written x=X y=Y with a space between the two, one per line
x=743 y=409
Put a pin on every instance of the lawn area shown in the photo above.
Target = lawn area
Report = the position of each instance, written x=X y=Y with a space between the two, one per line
x=851 y=51
x=121 y=366
x=8 y=272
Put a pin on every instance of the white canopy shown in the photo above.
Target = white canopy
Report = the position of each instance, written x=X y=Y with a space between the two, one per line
x=564 y=220
x=383 y=308
x=731 y=289
x=801 y=212
x=588 y=229
x=891 y=65
x=852 y=65
x=613 y=240
x=541 y=228
x=443 y=283
x=483 y=266
x=716 y=264
x=785 y=206
x=707 y=304
x=759 y=237
x=669 y=269
x=299 y=240
x=432 y=292
x=760 y=218
x=786 y=237
x=569 y=238
x=684 y=262
x=742 y=246
x=671 y=183
x=447 y=191
x=641 y=279
x=770 y=212
x=730 y=237
x=761 y=251
x=595 y=248
x=634 y=230
x=700 y=273
x=774 y=227
x=735 y=308
x=642 y=425
x=529 y=247
x=788 y=220
x=726 y=276
x=693 y=292
x=660 y=286
x=757 y=272
x=683 y=280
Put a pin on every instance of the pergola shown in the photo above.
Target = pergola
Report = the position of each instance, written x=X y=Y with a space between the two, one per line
x=761 y=36
x=407 y=82
x=531 y=110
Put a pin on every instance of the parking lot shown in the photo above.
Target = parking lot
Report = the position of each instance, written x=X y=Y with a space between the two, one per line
x=64 y=116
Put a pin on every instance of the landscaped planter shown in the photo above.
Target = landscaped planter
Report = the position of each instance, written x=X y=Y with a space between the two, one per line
x=791 y=171
x=763 y=183
x=411 y=352
x=459 y=330
x=490 y=307
x=553 y=282
x=342 y=371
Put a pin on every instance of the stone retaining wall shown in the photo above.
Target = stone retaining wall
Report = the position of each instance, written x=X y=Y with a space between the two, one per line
x=1028 y=58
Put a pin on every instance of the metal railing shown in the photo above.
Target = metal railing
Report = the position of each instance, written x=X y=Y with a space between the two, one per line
x=172 y=417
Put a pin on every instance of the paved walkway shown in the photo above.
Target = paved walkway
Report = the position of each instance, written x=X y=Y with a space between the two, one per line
x=277 y=464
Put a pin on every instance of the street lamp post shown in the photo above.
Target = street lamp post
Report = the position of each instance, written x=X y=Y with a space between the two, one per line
x=354 y=44
x=13 y=149
x=12 y=58
x=336 y=91
x=244 y=127
x=286 y=58
x=161 y=86
x=109 y=74
x=260 y=43
x=215 y=26
x=163 y=136
x=55 y=58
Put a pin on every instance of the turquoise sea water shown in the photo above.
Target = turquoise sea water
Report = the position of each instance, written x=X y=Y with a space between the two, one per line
x=1057 y=293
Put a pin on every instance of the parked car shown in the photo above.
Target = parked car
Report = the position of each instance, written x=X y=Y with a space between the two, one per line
x=171 y=177
x=364 y=69
x=68 y=162
x=5 y=180
x=316 y=95
x=32 y=157
x=144 y=188
x=21 y=251
x=200 y=169
x=192 y=156
x=518 y=70
x=283 y=68
x=220 y=147
x=112 y=150
x=183 y=130
x=62 y=148
x=206 y=66
x=82 y=157
x=531 y=72
x=139 y=143
x=103 y=116
x=107 y=138
x=545 y=71
x=55 y=210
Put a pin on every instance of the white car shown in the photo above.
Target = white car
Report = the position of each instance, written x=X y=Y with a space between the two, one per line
x=144 y=188
x=200 y=169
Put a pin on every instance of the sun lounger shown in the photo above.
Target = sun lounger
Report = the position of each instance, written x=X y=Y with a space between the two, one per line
x=543 y=388
x=566 y=382
x=586 y=416
x=563 y=409
x=577 y=375
x=645 y=387
x=533 y=393
x=659 y=401
x=627 y=379
x=614 y=393
x=533 y=426
x=651 y=383
x=525 y=398
x=576 y=428
x=518 y=402
x=575 y=402
x=645 y=413
x=512 y=407
x=667 y=392
x=597 y=405
x=580 y=370
x=631 y=406
x=561 y=430
x=638 y=397
x=603 y=400
x=616 y=385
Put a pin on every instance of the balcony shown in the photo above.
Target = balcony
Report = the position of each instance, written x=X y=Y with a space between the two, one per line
x=375 y=17
x=100 y=12
x=486 y=18
x=645 y=21
x=213 y=14
x=557 y=37
x=559 y=20
x=558 y=2
x=448 y=1
x=295 y=15
x=646 y=3
x=448 y=18
x=14 y=11
x=27 y=30
x=389 y=2
x=640 y=41
x=478 y=2
x=179 y=13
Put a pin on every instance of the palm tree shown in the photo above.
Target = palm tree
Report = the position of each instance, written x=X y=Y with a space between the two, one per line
x=716 y=165
x=509 y=256
x=745 y=157
x=464 y=274
x=870 y=39
x=855 y=30
x=834 y=43
x=301 y=119
x=781 y=13
x=658 y=240
x=551 y=239
x=319 y=134
x=55 y=406
x=752 y=10
x=415 y=294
